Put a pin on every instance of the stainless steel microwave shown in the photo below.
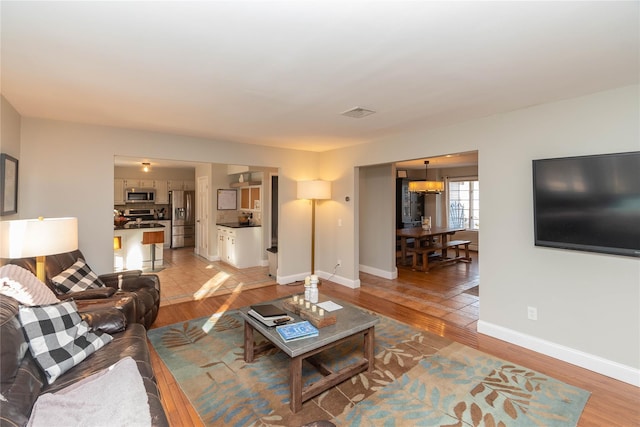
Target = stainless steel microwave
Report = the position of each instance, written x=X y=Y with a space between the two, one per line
x=140 y=195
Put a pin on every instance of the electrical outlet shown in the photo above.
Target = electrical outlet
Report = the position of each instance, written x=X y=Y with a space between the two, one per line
x=532 y=313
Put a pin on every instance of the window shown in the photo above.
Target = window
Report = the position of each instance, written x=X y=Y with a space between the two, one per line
x=464 y=203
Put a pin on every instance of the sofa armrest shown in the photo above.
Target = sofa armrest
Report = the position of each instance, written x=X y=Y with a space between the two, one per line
x=97 y=293
x=114 y=280
x=108 y=320
x=132 y=284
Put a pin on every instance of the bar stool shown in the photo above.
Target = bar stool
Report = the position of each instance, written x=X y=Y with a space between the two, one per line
x=152 y=238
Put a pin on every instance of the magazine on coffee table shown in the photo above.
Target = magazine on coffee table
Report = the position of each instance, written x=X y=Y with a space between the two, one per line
x=297 y=331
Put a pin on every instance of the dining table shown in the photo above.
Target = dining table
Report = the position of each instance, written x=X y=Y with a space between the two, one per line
x=424 y=237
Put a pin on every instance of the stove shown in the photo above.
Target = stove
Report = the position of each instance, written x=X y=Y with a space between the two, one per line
x=143 y=214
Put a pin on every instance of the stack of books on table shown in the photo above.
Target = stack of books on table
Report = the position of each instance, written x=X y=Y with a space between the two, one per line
x=269 y=314
x=297 y=331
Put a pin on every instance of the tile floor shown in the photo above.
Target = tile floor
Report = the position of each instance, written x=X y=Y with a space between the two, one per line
x=188 y=277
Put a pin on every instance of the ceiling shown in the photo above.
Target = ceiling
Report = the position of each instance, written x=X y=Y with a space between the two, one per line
x=279 y=73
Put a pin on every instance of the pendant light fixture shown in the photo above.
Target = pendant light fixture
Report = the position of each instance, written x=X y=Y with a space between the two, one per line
x=146 y=166
x=426 y=186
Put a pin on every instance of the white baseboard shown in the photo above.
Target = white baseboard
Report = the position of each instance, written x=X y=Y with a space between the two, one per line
x=380 y=273
x=588 y=361
x=353 y=284
x=285 y=280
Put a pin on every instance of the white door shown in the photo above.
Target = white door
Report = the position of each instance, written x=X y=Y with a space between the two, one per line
x=202 y=217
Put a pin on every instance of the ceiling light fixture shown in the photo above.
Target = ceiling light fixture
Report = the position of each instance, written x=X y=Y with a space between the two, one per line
x=146 y=166
x=429 y=187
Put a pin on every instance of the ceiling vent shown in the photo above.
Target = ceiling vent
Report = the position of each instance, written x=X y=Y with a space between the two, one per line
x=357 y=112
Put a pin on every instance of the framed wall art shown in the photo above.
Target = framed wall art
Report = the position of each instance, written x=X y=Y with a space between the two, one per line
x=8 y=184
x=227 y=200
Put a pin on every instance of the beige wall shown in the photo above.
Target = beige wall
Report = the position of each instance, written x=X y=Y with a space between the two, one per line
x=578 y=295
x=10 y=122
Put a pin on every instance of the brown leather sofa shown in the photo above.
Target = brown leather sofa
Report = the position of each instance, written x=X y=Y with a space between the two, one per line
x=22 y=381
x=136 y=294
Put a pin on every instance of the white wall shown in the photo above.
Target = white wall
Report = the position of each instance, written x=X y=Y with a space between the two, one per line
x=588 y=304
x=10 y=140
x=67 y=170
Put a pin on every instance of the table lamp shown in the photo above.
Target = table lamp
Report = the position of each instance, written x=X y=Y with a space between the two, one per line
x=314 y=190
x=38 y=238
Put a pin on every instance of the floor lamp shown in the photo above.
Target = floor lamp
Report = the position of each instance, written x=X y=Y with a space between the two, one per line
x=314 y=190
x=25 y=238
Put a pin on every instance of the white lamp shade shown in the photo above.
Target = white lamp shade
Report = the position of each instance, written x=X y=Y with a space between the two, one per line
x=317 y=189
x=37 y=237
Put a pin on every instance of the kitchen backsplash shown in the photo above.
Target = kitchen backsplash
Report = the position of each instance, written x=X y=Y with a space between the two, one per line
x=167 y=214
x=221 y=216
x=232 y=216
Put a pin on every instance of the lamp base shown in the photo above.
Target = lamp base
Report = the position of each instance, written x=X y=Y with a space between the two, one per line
x=40 y=274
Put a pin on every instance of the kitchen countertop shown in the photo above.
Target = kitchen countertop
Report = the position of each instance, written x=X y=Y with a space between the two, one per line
x=134 y=226
x=237 y=225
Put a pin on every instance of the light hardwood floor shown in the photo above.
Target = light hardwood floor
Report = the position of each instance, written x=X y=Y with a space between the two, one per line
x=437 y=301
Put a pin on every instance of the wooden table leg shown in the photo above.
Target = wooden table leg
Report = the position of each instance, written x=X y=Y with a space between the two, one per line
x=248 y=342
x=295 y=383
x=403 y=250
x=369 y=340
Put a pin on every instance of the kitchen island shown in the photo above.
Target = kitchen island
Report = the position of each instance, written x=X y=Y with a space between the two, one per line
x=129 y=252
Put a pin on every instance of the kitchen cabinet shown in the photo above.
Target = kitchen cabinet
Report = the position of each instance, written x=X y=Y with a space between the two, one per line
x=250 y=198
x=239 y=247
x=147 y=183
x=181 y=185
x=162 y=192
x=131 y=183
x=118 y=191
x=173 y=184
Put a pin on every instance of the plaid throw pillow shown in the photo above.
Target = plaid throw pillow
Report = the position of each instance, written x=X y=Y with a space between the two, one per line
x=76 y=278
x=58 y=338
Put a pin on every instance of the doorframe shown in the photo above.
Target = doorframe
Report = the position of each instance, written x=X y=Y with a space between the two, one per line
x=202 y=216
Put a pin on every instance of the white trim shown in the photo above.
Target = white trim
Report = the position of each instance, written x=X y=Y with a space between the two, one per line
x=588 y=361
x=353 y=284
x=380 y=273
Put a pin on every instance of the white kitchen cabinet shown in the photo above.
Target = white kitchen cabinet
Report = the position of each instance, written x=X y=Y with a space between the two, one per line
x=240 y=247
x=162 y=192
x=147 y=183
x=118 y=191
x=173 y=184
x=181 y=185
x=131 y=183
x=222 y=248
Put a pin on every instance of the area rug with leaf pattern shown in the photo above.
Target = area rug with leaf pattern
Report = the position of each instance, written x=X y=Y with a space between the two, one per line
x=420 y=379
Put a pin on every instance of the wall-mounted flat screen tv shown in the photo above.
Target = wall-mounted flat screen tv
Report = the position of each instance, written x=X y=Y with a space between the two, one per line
x=588 y=203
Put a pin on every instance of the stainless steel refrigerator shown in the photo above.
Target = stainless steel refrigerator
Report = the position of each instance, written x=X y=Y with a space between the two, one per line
x=183 y=229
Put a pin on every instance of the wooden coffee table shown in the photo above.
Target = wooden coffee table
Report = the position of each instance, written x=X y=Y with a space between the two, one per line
x=351 y=321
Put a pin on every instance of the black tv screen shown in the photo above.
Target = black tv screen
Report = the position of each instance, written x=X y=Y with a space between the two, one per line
x=588 y=203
